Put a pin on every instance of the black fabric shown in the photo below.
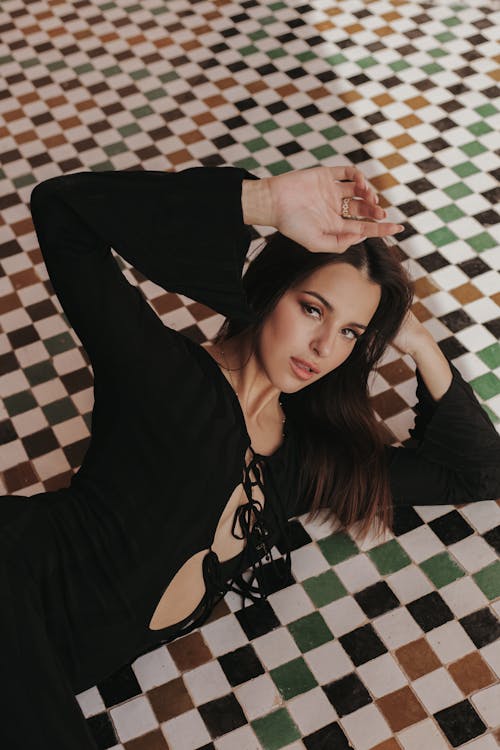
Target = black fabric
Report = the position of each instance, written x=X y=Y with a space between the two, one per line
x=84 y=568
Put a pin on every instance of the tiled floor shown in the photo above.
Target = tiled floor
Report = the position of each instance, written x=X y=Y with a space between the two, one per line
x=397 y=644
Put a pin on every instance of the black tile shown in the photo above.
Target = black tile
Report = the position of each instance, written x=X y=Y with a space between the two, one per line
x=474 y=266
x=376 y=599
x=451 y=347
x=362 y=644
x=456 y=320
x=358 y=156
x=432 y=261
x=405 y=519
x=119 y=687
x=460 y=723
x=412 y=208
x=347 y=694
x=487 y=218
x=436 y=144
x=451 y=528
x=444 y=124
x=482 y=627
x=330 y=737
x=273 y=576
x=493 y=538
x=493 y=327
x=257 y=619
x=102 y=730
x=222 y=715
x=430 y=611
x=420 y=186
x=429 y=165
x=375 y=118
x=241 y=665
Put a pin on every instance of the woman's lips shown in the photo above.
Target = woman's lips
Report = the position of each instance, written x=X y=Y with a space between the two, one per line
x=300 y=372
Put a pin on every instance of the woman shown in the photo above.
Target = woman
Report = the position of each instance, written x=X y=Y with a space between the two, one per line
x=192 y=469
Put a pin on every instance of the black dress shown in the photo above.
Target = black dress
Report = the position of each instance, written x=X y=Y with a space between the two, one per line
x=84 y=567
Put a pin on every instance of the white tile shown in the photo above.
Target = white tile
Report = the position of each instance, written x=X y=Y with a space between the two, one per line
x=421 y=543
x=487 y=702
x=482 y=310
x=366 y=727
x=310 y=711
x=425 y=734
x=155 y=668
x=206 y=682
x=396 y=628
x=450 y=641
x=328 y=662
x=242 y=738
x=343 y=615
x=473 y=553
x=449 y=277
x=486 y=742
x=470 y=366
x=491 y=655
x=382 y=675
x=276 y=648
x=483 y=515
x=91 y=702
x=186 y=732
x=409 y=584
x=308 y=561
x=133 y=718
x=357 y=572
x=463 y=596
x=259 y=696
x=475 y=337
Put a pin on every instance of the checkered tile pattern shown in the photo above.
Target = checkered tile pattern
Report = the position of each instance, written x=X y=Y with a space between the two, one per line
x=390 y=646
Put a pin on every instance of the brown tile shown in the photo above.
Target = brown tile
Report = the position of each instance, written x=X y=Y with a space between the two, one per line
x=396 y=372
x=9 y=302
x=383 y=100
x=421 y=311
x=24 y=278
x=151 y=741
x=417 y=658
x=409 y=121
x=350 y=96
x=400 y=141
x=466 y=293
x=189 y=652
x=388 y=403
x=401 y=708
x=18 y=477
x=471 y=673
x=170 y=700
x=496 y=297
x=425 y=286
x=417 y=102
x=165 y=303
x=384 y=31
x=383 y=181
x=390 y=744
x=393 y=160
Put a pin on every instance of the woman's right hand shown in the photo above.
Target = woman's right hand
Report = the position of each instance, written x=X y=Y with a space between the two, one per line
x=306 y=207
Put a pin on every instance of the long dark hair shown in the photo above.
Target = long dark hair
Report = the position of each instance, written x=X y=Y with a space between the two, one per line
x=342 y=466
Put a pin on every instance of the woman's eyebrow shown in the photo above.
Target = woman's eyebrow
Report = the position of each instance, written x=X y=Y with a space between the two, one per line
x=330 y=307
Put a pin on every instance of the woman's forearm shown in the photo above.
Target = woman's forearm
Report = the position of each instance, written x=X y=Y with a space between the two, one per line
x=432 y=365
x=256 y=202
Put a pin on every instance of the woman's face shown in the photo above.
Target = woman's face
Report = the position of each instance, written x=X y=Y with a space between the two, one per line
x=303 y=326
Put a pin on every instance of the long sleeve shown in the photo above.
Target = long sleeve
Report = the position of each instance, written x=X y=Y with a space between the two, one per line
x=457 y=454
x=184 y=231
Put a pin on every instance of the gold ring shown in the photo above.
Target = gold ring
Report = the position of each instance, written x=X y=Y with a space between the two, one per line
x=345 y=208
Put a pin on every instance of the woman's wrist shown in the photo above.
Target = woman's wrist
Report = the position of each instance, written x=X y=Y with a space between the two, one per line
x=432 y=364
x=256 y=203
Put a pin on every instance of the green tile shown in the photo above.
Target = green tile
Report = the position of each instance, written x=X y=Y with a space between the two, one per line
x=299 y=128
x=449 y=213
x=330 y=134
x=481 y=242
x=473 y=148
x=19 y=403
x=437 y=52
x=442 y=236
x=458 y=190
x=310 y=631
x=256 y=144
x=306 y=56
x=275 y=730
x=389 y=557
x=336 y=59
x=337 y=547
x=452 y=21
x=367 y=62
x=445 y=36
x=491 y=414
x=115 y=148
x=323 y=152
x=399 y=65
x=325 y=588
x=487 y=385
x=62 y=342
x=60 y=410
x=480 y=128
x=41 y=372
x=130 y=129
x=486 y=110
x=293 y=678
x=432 y=68
x=465 y=169
x=488 y=580
x=441 y=569
x=279 y=167
x=266 y=125
x=490 y=355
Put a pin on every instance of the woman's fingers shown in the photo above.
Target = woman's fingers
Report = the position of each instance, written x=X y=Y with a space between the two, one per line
x=371 y=228
x=358 y=207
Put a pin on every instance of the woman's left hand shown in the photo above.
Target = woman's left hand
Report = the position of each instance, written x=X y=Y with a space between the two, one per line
x=411 y=335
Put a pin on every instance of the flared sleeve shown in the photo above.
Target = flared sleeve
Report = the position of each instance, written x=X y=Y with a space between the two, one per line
x=182 y=230
x=455 y=456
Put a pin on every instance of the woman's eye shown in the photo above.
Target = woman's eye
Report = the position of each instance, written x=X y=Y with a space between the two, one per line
x=310 y=307
x=355 y=336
